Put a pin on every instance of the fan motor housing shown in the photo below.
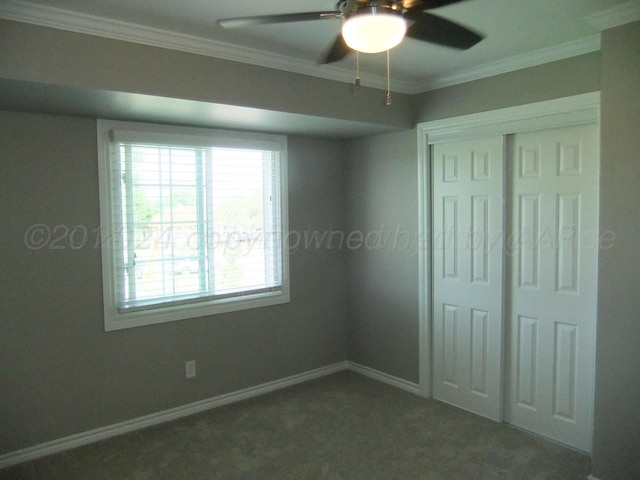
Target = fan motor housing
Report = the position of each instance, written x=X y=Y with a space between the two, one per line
x=348 y=7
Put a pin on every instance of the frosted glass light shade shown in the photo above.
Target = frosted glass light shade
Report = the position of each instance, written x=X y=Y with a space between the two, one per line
x=373 y=32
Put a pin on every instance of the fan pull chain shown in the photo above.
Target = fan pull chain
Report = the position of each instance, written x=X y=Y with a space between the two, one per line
x=357 y=84
x=388 y=81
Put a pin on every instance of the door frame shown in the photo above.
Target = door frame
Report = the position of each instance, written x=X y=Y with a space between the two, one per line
x=563 y=112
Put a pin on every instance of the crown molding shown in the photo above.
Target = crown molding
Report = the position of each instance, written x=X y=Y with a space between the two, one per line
x=518 y=62
x=616 y=16
x=26 y=12
x=68 y=20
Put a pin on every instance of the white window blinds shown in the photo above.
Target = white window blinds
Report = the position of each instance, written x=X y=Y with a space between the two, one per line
x=195 y=220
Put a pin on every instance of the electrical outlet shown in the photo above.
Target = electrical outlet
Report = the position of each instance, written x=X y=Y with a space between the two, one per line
x=190 y=368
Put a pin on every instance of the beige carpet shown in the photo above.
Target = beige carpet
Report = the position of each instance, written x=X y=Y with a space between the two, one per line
x=340 y=427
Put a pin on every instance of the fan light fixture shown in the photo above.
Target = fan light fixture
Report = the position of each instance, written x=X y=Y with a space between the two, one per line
x=374 y=26
x=373 y=29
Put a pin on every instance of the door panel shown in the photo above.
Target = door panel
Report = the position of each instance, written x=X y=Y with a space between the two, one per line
x=467 y=274
x=551 y=303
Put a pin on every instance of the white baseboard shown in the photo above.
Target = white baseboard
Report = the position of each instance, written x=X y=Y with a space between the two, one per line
x=98 y=434
x=385 y=378
x=109 y=431
x=591 y=477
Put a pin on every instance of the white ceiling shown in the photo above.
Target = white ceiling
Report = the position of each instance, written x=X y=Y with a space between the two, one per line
x=518 y=32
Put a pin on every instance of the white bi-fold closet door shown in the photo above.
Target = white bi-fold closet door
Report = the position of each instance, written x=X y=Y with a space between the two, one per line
x=514 y=278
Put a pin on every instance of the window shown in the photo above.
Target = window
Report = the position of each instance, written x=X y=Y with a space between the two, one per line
x=193 y=222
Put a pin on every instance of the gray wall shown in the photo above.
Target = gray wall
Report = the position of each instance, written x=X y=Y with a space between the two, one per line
x=559 y=79
x=62 y=374
x=45 y=55
x=382 y=191
x=616 y=448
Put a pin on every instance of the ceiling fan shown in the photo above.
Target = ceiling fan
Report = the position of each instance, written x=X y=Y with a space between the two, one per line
x=372 y=26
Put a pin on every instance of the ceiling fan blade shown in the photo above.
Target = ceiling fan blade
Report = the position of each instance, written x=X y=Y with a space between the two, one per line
x=336 y=51
x=434 y=29
x=269 y=19
x=428 y=4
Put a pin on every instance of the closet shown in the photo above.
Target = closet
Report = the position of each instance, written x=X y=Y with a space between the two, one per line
x=514 y=223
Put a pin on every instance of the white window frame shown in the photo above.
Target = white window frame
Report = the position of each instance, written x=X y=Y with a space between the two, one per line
x=116 y=318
